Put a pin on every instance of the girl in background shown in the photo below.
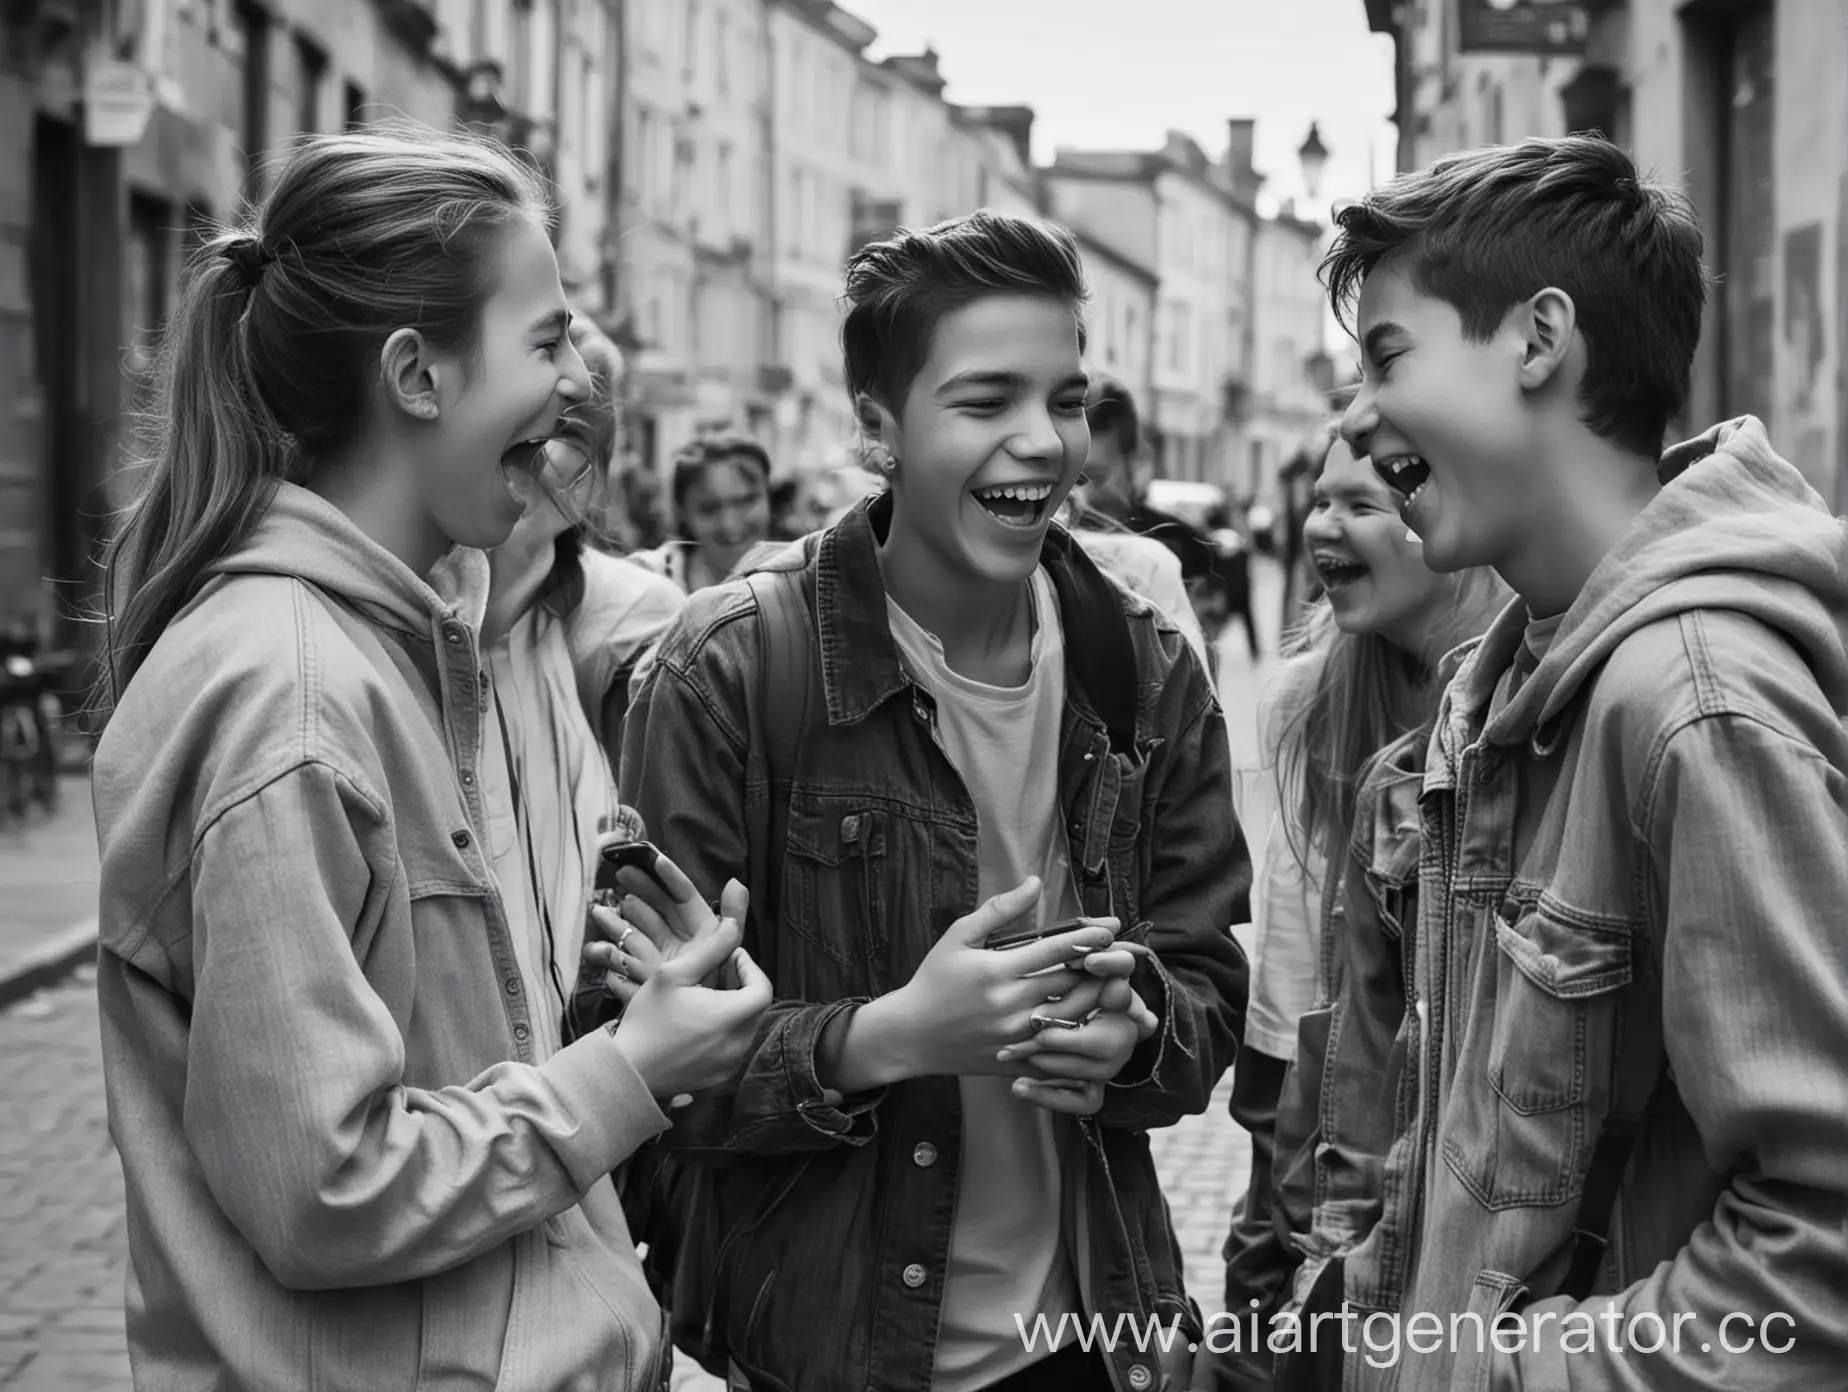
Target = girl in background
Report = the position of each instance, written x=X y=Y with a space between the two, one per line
x=721 y=508
x=1364 y=668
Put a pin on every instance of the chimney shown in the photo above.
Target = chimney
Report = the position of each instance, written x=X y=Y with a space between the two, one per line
x=1015 y=122
x=1241 y=134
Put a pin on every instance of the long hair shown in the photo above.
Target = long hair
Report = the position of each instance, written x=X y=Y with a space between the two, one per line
x=1365 y=693
x=595 y=426
x=269 y=361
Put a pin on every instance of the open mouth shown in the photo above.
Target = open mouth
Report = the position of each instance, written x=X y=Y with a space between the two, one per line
x=1336 y=571
x=528 y=456
x=1405 y=474
x=1021 y=505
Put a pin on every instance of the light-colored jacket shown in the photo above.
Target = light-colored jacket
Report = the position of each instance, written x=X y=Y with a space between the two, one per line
x=346 y=1164
x=1655 y=828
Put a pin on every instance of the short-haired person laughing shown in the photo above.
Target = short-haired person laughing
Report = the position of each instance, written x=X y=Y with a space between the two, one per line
x=998 y=741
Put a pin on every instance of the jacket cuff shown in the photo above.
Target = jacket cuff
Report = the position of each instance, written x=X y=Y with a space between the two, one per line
x=1156 y=988
x=853 y=1120
x=614 y=1111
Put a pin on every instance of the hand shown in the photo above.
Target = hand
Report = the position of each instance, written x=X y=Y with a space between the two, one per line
x=654 y=926
x=1069 y=1067
x=965 y=1002
x=681 y=1036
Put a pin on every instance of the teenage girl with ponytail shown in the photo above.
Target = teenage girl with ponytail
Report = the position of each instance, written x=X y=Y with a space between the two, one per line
x=350 y=1159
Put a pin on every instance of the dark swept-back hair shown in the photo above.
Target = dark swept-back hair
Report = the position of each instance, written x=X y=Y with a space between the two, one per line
x=899 y=289
x=700 y=453
x=267 y=363
x=1487 y=229
x=1110 y=409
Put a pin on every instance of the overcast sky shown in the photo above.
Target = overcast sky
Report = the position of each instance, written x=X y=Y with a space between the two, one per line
x=1120 y=73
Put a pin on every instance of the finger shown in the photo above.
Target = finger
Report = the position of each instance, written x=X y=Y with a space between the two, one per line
x=622 y=988
x=1116 y=994
x=1071 y=1068
x=998 y=912
x=608 y=923
x=1143 y=1018
x=700 y=957
x=1062 y=948
x=753 y=986
x=1071 y=1099
x=1108 y=1037
x=1040 y=990
x=679 y=888
x=734 y=900
x=639 y=885
x=647 y=923
x=1114 y=962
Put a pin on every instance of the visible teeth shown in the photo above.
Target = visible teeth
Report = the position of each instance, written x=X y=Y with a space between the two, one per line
x=1025 y=493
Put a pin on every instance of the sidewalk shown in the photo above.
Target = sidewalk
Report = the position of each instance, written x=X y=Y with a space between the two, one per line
x=48 y=874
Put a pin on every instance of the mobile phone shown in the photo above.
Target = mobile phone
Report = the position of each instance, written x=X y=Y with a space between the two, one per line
x=637 y=855
x=1022 y=934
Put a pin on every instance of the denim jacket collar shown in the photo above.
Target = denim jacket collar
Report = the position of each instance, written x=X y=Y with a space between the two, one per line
x=850 y=609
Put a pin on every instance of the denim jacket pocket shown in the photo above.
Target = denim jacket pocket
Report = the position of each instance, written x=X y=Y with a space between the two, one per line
x=1534 y=1078
x=834 y=891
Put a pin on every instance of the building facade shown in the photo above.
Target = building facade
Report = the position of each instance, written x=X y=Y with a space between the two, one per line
x=1120 y=318
x=1195 y=222
x=1291 y=372
x=1741 y=103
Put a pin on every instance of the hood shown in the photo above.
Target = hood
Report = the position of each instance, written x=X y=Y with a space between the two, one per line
x=1735 y=527
x=300 y=534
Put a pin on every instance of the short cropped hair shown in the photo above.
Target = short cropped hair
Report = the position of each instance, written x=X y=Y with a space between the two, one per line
x=899 y=289
x=1488 y=228
x=1110 y=410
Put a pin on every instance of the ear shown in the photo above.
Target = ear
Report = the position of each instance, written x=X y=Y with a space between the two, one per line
x=879 y=424
x=1548 y=324
x=410 y=373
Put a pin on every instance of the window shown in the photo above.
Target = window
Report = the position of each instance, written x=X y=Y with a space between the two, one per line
x=721 y=55
x=355 y=106
x=690 y=47
x=253 y=26
x=144 y=278
x=310 y=78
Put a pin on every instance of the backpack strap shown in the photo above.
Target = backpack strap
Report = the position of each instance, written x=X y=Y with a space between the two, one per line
x=1638 y=1080
x=774 y=722
x=1105 y=661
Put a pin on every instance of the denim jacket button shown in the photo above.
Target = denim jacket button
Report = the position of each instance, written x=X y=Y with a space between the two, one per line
x=461 y=839
x=1140 y=1377
x=452 y=634
x=914 y=1275
x=924 y=1156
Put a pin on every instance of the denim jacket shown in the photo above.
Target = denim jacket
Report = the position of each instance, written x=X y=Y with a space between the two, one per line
x=1655 y=827
x=348 y=1161
x=830 y=1218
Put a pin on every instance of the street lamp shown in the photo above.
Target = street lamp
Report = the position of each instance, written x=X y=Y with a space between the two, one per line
x=1312 y=154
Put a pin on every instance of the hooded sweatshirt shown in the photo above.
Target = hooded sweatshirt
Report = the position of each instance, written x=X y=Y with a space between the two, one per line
x=347 y=1163
x=1630 y=902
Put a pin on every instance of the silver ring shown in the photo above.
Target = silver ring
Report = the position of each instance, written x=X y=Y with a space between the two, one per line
x=623 y=936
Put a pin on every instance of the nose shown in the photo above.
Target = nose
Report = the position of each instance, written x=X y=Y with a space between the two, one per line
x=1359 y=421
x=1038 y=438
x=574 y=376
x=1321 y=526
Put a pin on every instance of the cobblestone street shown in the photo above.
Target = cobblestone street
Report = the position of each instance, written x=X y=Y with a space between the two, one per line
x=62 y=1243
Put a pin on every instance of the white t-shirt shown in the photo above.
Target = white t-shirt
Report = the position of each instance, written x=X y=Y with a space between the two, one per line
x=1007 y=1254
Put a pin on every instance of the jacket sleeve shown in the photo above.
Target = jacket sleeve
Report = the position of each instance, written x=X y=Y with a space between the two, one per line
x=336 y=1169
x=1195 y=977
x=1747 y=831
x=683 y=770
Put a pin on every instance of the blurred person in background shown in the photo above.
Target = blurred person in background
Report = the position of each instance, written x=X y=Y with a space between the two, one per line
x=721 y=509
x=1361 y=670
x=1097 y=509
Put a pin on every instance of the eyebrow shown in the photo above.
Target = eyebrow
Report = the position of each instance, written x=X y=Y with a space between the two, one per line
x=1343 y=490
x=1006 y=381
x=558 y=319
x=1377 y=335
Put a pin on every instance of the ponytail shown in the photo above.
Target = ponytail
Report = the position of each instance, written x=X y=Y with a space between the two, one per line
x=271 y=359
x=212 y=454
